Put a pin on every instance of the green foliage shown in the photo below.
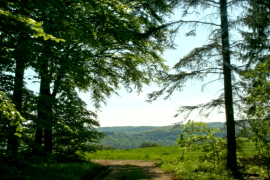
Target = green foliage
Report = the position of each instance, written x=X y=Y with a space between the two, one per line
x=35 y=26
x=155 y=144
x=9 y=117
x=169 y=158
x=194 y=169
x=130 y=172
x=211 y=62
x=62 y=171
x=256 y=74
x=164 y=153
x=74 y=128
x=258 y=100
x=145 y=144
x=9 y=112
x=97 y=47
x=109 y=148
x=196 y=136
x=125 y=129
x=132 y=137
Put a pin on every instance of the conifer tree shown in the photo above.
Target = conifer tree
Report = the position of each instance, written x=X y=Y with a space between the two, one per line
x=255 y=75
x=210 y=59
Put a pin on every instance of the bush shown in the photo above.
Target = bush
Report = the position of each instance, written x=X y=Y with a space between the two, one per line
x=155 y=144
x=198 y=137
x=145 y=144
x=109 y=148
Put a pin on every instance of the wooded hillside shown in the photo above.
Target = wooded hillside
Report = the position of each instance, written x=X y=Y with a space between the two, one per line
x=129 y=137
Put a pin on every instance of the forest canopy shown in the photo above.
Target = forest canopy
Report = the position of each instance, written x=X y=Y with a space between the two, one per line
x=72 y=46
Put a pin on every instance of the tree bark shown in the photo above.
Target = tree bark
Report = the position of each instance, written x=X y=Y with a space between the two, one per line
x=13 y=142
x=44 y=112
x=227 y=68
x=37 y=149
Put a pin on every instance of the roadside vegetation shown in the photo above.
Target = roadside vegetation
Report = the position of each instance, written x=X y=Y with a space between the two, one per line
x=53 y=171
x=189 y=159
x=193 y=166
x=198 y=155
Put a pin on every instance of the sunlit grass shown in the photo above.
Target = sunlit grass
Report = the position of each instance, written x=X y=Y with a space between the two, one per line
x=170 y=160
x=162 y=153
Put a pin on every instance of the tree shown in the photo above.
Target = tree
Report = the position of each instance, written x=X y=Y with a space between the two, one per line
x=16 y=31
x=9 y=116
x=101 y=45
x=74 y=128
x=200 y=63
x=255 y=75
x=231 y=140
x=197 y=136
x=15 y=53
x=117 y=59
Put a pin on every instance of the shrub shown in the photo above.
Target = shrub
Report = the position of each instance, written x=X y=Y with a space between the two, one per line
x=109 y=148
x=197 y=136
x=145 y=144
x=155 y=144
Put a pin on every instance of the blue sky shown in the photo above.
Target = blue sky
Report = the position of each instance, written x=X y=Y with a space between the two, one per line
x=131 y=109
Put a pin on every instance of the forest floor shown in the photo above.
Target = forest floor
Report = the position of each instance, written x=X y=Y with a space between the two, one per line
x=118 y=168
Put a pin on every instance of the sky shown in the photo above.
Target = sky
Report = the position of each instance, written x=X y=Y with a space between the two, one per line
x=131 y=109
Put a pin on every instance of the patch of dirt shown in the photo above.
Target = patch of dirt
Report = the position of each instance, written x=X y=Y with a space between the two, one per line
x=114 y=169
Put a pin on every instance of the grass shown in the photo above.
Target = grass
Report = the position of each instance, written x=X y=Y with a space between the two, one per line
x=162 y=153
x=131 y=172
x=168 y=157
x=192 y=167
x=59 y=171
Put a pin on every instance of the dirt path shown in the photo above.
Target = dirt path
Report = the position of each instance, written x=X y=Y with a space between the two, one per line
x=151 y=170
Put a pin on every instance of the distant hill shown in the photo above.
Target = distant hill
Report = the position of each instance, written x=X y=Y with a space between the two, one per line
x=126 y=129
x=129 y=137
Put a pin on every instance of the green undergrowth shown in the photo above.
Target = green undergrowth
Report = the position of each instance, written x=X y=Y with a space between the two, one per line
x=169 y=158
x=57 y=171
x=131 y=172
x=195 y=169
x=162 y=153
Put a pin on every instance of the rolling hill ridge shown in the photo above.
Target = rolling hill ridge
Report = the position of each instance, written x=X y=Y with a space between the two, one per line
x=129 y=137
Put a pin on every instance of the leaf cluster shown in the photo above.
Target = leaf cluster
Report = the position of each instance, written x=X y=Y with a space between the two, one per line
x=197 y=136
x=71 y=46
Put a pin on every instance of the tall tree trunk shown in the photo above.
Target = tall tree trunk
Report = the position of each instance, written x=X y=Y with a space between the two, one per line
x=45 y=108
x=44 y=112
x=48 y=139
x=13 y=142
x=48 y=145
x=231 y=142
x=48 y=133
x=37 y=149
